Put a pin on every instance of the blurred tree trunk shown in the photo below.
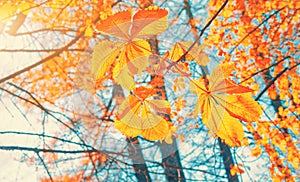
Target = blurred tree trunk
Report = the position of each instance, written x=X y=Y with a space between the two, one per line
x=137 y=158
x=227 y=160
x=171 y=159
x=134 y=148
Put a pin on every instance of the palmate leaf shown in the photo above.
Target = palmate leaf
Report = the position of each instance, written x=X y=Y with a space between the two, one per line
x=133 y=59
x=131 y=56
x=122 y=60
x=138 y=115
x=221 y=103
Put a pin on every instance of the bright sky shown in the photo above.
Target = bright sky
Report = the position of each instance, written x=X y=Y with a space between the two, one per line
x=11 y=169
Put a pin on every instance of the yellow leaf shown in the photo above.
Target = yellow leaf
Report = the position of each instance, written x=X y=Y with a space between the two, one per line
x=89 y=31
x=243 y=107
x=220 y=83
x=196 y=53
x=161 y=106
x=134 y=53
x=169 y=139
x=24 y=7
x=226 y=13
x=127 y=129
x=177 y=51
x=158 y=132
x=219 y=108
x=197 y=88
x=7 y=10
x=133 y=60
x=104 y=56
x=124 y=77
x=137 y=48
x=226 y=69
x=212 y=115
x=138 y=115
x=231 y=130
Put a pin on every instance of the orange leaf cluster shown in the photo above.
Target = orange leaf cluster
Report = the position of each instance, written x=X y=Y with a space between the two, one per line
x=262 y=40
x=236 y=169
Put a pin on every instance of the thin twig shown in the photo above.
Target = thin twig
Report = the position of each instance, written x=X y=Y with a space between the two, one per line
x=272 y=81
x=265 y=20
x=45 y=166
x=200 y=35
x=265 y=69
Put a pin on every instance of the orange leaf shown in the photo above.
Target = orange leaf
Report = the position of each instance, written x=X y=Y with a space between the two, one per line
x=116 y=25
x=148 y=22
x=89 y=31
x=243 y=107
x=145 y=22
x=236 y=170
x=227 y=86
x=132 y=56
x=256 y=151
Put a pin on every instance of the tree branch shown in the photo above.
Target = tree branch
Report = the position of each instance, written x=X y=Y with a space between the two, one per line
x=200 y=35
x=265 y=69
x=56 y=53
x=45 y=166
x=265 y=20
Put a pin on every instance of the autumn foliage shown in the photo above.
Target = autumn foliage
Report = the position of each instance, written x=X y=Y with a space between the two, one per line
x=238 y=78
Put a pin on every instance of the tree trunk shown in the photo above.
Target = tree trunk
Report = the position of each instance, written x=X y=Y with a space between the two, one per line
x=170 y=154
x=134 y=148
x=172 y=162
x=227 y=160
x=136 y=155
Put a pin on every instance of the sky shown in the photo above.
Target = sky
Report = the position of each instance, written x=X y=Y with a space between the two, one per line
x=11 y=169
